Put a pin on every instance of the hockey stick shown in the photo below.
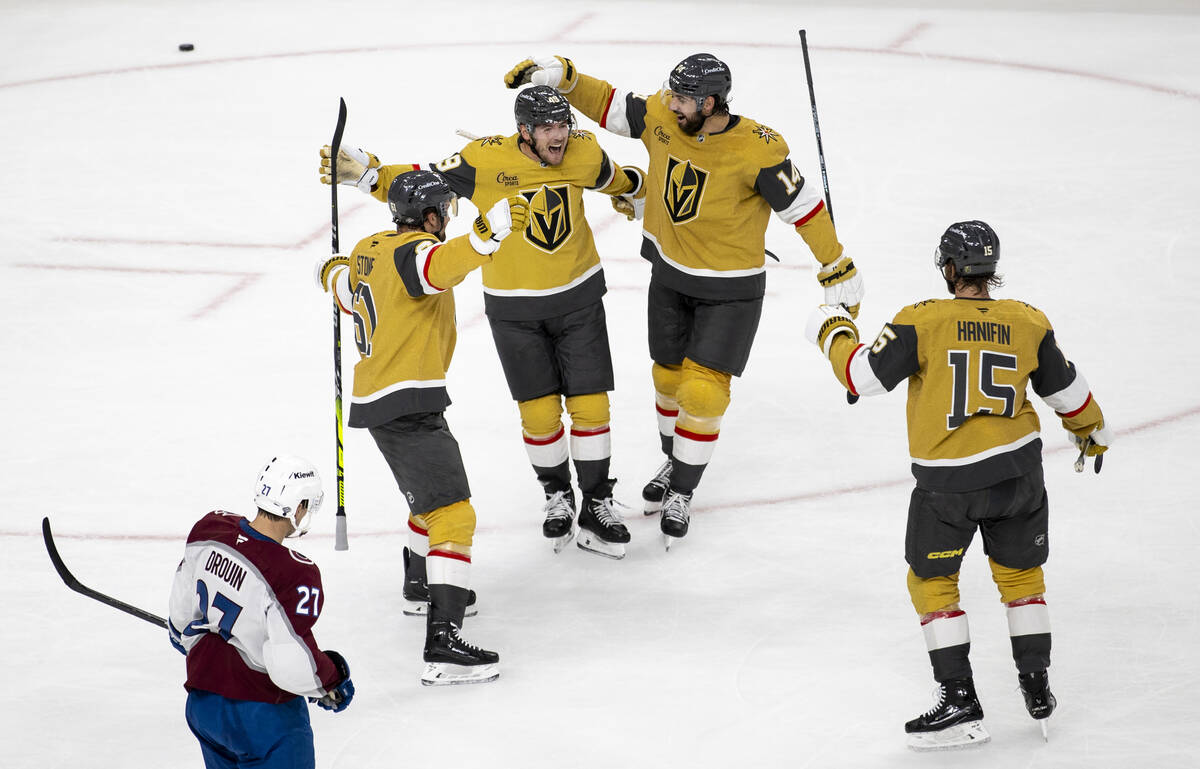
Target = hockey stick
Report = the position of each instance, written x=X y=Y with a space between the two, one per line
x=1082 y=460
x=78 y=587
x=340 y=540
x=812 y=99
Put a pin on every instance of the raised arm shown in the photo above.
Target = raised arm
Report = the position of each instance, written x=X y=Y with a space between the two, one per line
x=622 y=112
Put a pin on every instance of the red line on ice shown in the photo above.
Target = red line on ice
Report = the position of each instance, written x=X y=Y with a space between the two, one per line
x=1169 y=419
x=409 y=46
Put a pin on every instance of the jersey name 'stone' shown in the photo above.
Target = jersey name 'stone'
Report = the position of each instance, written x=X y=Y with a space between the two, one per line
x=403 y=327
x=552 y=268
x=967 y=362
x=243 y=606
x=709 y=197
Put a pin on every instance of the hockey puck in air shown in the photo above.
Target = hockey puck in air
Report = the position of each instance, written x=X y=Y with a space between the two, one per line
x=186 y=46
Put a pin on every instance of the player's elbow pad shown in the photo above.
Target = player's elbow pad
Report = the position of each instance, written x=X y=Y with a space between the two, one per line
x=290 y=667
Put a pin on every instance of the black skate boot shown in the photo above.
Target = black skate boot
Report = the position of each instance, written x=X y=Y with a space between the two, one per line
x=1039 y=700
x=601 y=529
x=448 y=658
x=954 y=721
x=416 y=592
x=451 y=660
x=560 y=518
x=675 y=516
x=656 y=489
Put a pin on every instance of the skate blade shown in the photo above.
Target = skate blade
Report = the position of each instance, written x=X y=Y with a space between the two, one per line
x=563 y=541
x=669 y=540
x=1045 y=733
x=447 y=674
x=962 y=735
x=421 y=608
x=593 y=544
x=652 y=506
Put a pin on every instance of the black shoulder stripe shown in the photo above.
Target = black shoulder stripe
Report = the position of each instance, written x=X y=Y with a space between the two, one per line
x=605 y=177
x=635 y=114
x=405 y=257
x=1054 y=373
x=897 y=359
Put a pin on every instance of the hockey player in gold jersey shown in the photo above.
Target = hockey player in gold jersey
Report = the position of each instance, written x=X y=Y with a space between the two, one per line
x=977 y=458
x=399 y=287
x=713 y=179
x=543 y=297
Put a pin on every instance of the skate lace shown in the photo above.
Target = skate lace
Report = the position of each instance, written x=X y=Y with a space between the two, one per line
x=467 y=644
x=939 y=697
x=606 y=511
x=675 y=506
x=557 y=506
x=664 y=473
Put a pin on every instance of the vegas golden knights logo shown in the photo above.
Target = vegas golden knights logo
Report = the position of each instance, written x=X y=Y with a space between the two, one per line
x=683 y=189
x=549 y=223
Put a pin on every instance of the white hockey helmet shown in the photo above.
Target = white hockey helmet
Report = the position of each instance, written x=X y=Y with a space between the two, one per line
x=283 y=483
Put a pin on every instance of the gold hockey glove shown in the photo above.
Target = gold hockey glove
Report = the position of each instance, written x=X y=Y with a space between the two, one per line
x=356 y=168
x=1091 y=442
x=843 y=285
x=333 y=274
x=825 y=323
x=632 y=203
x=489 y=229
x=554 y=71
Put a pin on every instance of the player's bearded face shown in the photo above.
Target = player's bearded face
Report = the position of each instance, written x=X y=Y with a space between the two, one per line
x=688 y=116
x=549 y=142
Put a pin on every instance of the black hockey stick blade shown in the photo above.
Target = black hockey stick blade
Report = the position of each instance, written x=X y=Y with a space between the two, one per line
x=1099 y=461
x=334 y=146
x=79 y=587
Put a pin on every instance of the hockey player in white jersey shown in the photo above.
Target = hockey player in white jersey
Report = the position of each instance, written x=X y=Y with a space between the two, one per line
x=242 y=609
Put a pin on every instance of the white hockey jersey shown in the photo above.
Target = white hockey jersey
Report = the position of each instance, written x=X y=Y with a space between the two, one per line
x=243 y=607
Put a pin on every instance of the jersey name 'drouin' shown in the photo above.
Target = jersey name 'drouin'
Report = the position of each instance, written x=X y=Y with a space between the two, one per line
x=226 y=569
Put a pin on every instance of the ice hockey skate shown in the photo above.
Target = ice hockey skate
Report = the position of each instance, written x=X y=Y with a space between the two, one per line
x=656 y=490
x=601 y=530
x=416 y=592
x=1039 y=700
x=559 y=526
x=954 y=721
x=675 y=517
x=451 y=660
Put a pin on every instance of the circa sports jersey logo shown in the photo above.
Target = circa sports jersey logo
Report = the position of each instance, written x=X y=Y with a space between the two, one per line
x=549 y=223
x=662 y=135
x=683 y=189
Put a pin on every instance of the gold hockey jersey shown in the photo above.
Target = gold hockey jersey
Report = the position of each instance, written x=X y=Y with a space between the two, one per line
x=709 y=196
x=553 y=268
x=968 y=362
x=404 y=329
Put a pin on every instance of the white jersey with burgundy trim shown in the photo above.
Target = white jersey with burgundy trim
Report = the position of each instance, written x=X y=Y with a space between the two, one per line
x=243 y=606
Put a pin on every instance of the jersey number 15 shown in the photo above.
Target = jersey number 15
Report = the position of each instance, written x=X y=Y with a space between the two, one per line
x=960 y=362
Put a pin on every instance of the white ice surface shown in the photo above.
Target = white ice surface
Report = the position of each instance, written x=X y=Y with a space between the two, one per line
x=160 y=216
